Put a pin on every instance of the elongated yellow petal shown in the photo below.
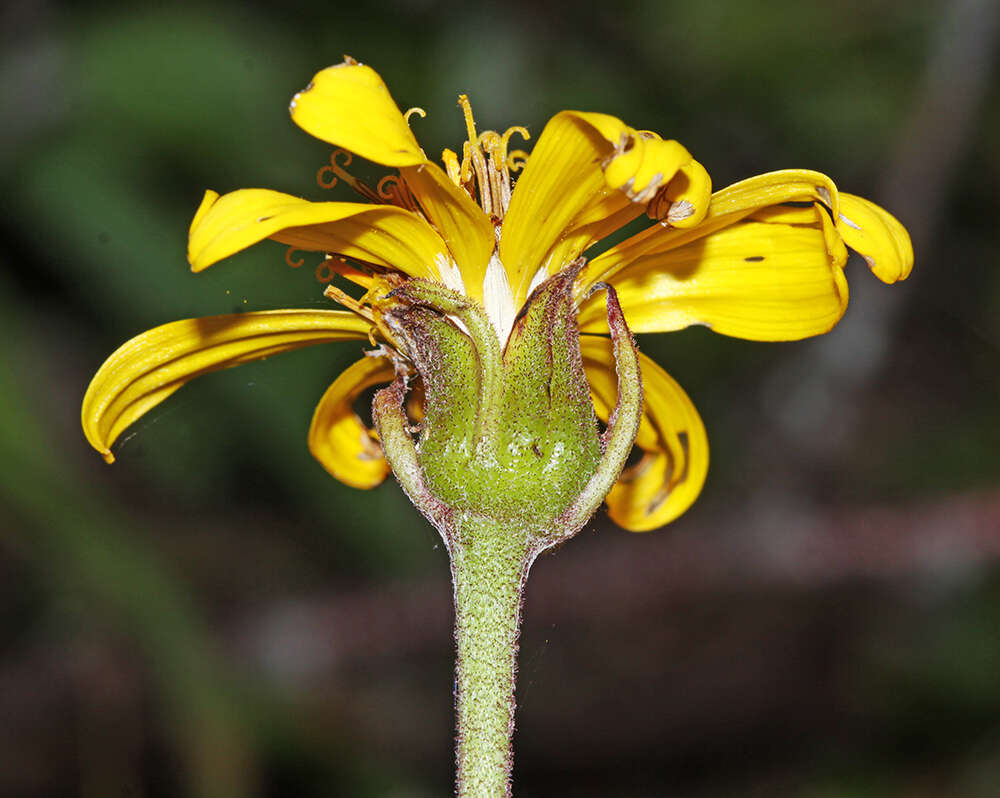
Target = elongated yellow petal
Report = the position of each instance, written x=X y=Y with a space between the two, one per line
x=877 y=235
x=579 y=156
x=463 y=225
x=561 y=178
x=727 y=206
x=671 y=473
x=774 y=188
x=147 y=369
x=338 y=438
x=349 y=106
x=609 y=210
x=754 y=280
x=385 y=235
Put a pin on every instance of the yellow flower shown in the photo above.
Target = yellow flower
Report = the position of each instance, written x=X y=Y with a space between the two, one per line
x=762 y=259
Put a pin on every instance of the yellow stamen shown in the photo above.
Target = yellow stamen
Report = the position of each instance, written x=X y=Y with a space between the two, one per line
x=349 y=302
x=470 y=123
x=465 y=175
x=451 y=165
x=474 y=160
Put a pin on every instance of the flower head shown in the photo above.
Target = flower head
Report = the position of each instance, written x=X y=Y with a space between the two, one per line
x=762 y=259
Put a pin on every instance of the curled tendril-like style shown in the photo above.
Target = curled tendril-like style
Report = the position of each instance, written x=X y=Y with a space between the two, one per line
x=414 y=110
x=339 y=172
x=293 y=263
x=489 y=139
x=335 y=170
x=516 y=159
x=505 y=138
x=325 y=272
x=389 y=188
x=393 y=189
x=321 y=180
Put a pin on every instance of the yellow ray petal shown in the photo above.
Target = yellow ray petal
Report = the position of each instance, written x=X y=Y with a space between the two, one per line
x=671 y=473
x=144 y=371
x=754 y=280
x=381 y=234
x=466 y=230
x=349 y=106
x=578 y=157
x=338 y=438
x=684 y=202
x=727 y=206
x=643 y=165
x=877 y=235
x=610 y=210
x=561 y=178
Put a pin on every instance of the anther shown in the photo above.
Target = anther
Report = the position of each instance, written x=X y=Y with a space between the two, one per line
x=470 y=123
x=452 y=166
x=465 y=175
x=293 y=263
x=349 y=302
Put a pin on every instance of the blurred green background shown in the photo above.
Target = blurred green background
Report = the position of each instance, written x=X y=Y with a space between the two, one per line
x=214 y=616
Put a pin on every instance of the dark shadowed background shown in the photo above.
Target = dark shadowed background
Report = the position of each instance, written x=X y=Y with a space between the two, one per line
x=214 y=616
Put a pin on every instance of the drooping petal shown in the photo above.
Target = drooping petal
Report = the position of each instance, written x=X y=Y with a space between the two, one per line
x=338 y=438
x=877 y=235
x=466 y=230
x=578 y=157
x=728 y=206
x=763 y=281
x=385 y=235
x=349 y=106
x=144 y=371
x=671 y=473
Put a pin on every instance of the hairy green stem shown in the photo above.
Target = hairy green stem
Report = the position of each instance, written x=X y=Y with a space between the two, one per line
x=489 y=568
